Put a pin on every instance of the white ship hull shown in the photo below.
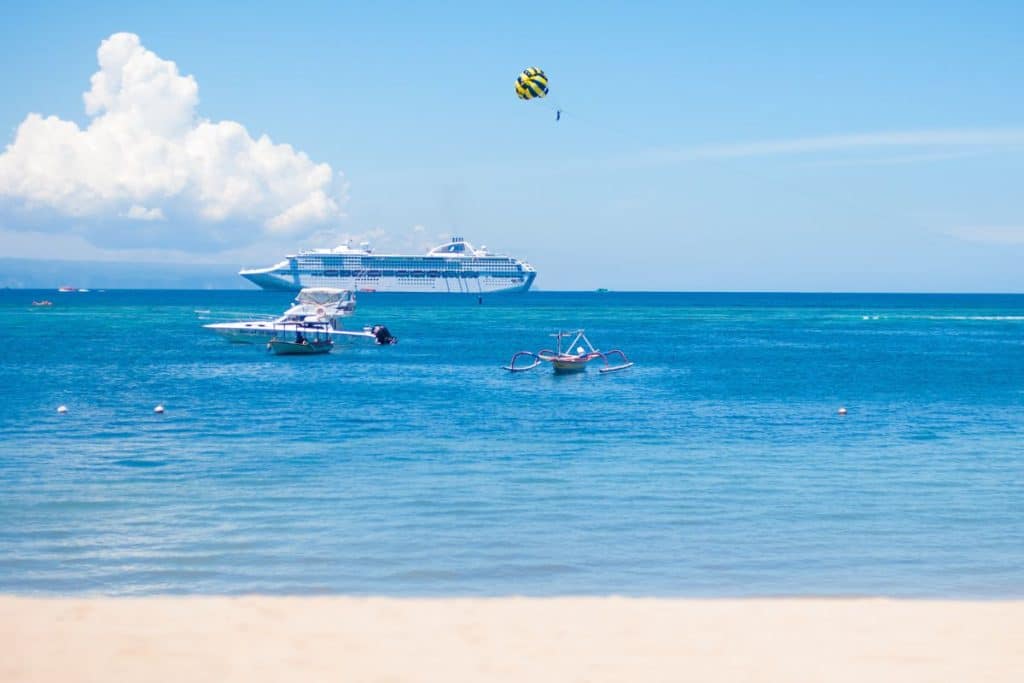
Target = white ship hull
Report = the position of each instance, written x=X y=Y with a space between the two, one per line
x=480 y=285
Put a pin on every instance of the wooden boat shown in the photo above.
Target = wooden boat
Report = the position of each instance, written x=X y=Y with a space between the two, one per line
x=567 y=363
x=573 y=358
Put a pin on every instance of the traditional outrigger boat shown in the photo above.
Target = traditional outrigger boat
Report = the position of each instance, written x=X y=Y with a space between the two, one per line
x=572 y=357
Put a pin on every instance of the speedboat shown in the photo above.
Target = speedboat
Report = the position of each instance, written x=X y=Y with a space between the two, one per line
x=315 y=311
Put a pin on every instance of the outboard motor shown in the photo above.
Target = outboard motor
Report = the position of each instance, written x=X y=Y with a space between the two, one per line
x=383 y=335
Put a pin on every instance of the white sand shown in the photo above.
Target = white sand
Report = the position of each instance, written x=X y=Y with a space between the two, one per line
x=509 y=639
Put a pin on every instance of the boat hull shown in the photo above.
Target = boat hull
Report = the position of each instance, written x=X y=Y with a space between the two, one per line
x=294 y=279
x=258 y=332
x=280 y=347
x=568 y=367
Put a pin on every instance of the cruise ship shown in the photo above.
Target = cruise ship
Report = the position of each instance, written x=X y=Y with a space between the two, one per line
x=454 y=267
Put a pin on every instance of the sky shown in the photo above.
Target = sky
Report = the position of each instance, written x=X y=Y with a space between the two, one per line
x=712 y=146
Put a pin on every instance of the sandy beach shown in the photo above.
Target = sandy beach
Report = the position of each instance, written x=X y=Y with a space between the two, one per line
x=509 y=639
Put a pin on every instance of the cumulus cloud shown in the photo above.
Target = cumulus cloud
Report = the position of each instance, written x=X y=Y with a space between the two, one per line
x=415 y=239
x=141 y=213
x=148 y=170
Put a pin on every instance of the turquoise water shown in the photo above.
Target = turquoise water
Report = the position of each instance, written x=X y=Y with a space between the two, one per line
x=716 y=466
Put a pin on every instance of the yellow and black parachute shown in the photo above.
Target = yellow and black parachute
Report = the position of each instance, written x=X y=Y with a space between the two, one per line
x=531 y=83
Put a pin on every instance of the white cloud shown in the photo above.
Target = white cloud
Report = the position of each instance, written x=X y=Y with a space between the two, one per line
x=925 y=145
x=991 y=234
x=413 y=240
x=895 y=160
x=966 y=137
x=848 y=149
x=141 y=213
x=146 y=158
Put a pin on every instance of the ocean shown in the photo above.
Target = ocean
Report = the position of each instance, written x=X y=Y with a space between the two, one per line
x=717 y=466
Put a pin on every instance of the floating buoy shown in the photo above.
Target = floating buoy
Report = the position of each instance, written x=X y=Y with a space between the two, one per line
x=62 y=409
x=159 y=408
x=842 y=411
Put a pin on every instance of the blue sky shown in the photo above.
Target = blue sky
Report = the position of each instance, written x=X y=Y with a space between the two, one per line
x=703 y=147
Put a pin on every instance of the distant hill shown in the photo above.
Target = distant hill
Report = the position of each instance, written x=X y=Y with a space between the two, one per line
x=43 y=274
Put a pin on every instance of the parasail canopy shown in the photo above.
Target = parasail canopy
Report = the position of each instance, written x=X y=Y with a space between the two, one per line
x=531 y=83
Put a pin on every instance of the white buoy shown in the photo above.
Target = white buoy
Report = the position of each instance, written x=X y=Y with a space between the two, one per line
x=62 y=409
x=159 y=409
x=842 y=411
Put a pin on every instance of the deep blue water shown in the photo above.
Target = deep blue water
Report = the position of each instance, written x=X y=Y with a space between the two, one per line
x=716 y=466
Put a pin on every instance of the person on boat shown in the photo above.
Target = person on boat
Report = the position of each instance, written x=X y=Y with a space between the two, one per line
x=383 y=335
x=299 y=339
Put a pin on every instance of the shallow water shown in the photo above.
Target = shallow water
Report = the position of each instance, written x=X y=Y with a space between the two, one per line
x=716 y=466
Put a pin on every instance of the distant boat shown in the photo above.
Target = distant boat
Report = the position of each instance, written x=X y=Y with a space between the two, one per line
x=602 y=290
x=67 y=288
x=83 y=290
x=44 y=302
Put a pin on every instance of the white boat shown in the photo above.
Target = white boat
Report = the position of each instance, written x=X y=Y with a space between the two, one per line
x=451 y=268
x=315 y=311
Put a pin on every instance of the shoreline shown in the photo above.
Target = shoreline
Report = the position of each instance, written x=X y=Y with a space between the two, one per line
x=262 y=638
